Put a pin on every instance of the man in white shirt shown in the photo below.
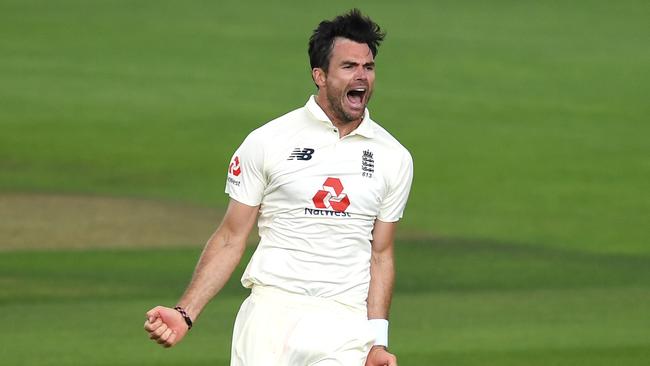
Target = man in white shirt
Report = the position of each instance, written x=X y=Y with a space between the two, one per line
x=329 y=185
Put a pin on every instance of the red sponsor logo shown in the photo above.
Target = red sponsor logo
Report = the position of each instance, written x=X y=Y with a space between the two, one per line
x=234 y=168
x=332 y=196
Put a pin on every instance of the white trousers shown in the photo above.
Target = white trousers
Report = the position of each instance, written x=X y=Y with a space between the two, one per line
x=277 y=328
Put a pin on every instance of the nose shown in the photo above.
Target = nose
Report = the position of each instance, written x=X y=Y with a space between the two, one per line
x=361 y=73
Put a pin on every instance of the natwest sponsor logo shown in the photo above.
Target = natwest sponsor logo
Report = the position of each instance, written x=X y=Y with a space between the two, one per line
x=317 y=212
x=234 y=168
x=332 y=196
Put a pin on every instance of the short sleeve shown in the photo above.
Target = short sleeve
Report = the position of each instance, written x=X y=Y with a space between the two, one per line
x=246 y=179
x=393 y=204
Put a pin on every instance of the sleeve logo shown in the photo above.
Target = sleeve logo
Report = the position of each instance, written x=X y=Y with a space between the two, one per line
x=234 y=168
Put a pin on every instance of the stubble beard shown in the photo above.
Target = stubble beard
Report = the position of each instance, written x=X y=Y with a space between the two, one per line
x=336 y=104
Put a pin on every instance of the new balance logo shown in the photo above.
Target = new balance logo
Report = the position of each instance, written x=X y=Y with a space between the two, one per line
x=301 y=154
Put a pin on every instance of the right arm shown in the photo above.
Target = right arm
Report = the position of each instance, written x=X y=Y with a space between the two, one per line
x=218 y=261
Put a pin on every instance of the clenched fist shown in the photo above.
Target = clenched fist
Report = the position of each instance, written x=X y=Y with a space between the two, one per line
x=165 y=326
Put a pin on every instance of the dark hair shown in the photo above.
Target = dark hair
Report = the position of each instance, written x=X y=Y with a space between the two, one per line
x=353 y=26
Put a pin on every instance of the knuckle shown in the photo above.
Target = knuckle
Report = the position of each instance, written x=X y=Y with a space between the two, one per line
x=165 y=336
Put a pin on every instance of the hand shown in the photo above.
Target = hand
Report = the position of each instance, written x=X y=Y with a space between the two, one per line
x=165 y=326
x=379 y=356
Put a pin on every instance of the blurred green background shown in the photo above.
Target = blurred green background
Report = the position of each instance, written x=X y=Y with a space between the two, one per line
x=525 y=240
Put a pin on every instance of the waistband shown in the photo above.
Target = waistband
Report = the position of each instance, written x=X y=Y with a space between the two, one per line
x=277 y=294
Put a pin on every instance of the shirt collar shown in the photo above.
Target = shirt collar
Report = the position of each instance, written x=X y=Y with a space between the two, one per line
x=366 y=128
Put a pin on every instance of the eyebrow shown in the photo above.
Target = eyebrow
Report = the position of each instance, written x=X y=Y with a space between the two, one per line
x=353 y=63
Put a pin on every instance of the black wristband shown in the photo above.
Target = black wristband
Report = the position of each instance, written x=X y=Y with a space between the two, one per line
x=186 y=317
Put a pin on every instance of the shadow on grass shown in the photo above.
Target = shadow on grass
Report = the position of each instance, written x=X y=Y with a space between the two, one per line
x=422 y=266
x=481 y=265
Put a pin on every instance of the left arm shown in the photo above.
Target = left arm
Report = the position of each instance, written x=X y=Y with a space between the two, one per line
x=382 y=270
x=382 y=278
x=382 y=264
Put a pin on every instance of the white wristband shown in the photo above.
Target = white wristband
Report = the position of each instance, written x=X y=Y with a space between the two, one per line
x=380 y=327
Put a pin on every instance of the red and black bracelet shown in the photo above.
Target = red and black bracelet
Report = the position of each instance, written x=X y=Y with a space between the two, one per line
x=186 y=317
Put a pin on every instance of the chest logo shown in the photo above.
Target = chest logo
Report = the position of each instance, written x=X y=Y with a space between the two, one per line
x=234 y=168
x=367 y=164
x=332 y=196
x=301 y=154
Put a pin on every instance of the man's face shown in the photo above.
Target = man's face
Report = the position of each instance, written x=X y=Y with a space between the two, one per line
x=348 y=83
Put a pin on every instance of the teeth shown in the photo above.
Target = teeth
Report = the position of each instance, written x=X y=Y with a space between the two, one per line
x=360 y=89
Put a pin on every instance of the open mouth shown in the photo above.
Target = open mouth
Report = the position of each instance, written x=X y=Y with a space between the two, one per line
x=356 y=96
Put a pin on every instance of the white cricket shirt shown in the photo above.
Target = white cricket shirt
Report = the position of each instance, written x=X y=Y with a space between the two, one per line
x=319 y=196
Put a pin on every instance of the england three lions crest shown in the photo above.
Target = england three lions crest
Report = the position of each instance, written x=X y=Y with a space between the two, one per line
x=367 y=164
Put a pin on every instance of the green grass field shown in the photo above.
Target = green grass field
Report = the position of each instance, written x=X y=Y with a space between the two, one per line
x=525 y=241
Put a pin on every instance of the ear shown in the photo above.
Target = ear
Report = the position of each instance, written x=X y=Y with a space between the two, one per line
x=319 y=75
